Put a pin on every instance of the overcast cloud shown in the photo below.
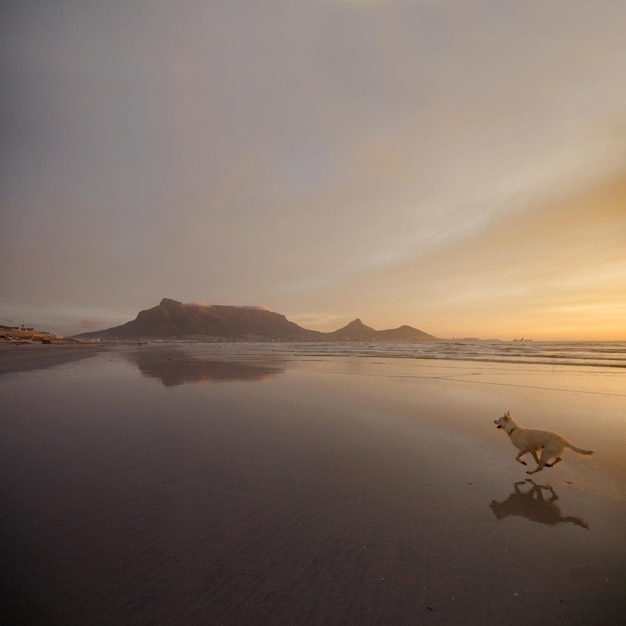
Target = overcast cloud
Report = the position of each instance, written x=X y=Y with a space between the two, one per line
x=400 y=161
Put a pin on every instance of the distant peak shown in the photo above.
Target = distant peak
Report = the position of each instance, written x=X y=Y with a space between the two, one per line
x=356 y=322
x=170 y=302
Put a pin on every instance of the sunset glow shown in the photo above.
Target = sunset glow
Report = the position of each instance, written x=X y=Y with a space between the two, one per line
x=401 y=162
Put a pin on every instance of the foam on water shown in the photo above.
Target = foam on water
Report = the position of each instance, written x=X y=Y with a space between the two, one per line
x=586 y=354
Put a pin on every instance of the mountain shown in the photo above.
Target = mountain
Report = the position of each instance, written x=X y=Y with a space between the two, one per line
x=354 y=331
x=172 y=319
x=403 y=333
x=358 y=331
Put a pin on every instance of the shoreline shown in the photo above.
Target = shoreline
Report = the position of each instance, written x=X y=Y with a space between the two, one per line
x=27 y=357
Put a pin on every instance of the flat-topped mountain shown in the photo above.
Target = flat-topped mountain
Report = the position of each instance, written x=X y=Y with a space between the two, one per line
x=172 y=319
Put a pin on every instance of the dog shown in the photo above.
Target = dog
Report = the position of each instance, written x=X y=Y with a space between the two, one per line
x=531 y=440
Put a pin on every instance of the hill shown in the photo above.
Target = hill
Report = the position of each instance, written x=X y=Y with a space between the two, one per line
x=354 y=331
x=403 y=333
x=171 y=319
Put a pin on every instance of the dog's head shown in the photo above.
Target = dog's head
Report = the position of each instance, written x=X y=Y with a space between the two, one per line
x=501 y=421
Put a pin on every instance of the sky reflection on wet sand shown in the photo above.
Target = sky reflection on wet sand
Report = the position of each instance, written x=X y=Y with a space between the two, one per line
x=324 y=491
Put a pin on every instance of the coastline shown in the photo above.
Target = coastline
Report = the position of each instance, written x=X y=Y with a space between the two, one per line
x=32 y=356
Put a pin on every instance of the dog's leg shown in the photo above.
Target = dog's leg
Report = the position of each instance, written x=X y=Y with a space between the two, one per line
x=543 y=460
x=552 y=452
x=537 y=469
x=558 y=458
x=518 y=458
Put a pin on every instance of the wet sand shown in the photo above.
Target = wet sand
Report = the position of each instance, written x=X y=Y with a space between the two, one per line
x=169 y=485
x=31 y=356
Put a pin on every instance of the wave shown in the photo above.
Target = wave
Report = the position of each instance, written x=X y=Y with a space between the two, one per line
x=561 y=353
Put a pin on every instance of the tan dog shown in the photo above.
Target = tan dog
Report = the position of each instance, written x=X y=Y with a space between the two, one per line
x=530 y=440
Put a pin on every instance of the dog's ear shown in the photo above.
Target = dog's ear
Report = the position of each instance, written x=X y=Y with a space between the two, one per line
x=507 y=414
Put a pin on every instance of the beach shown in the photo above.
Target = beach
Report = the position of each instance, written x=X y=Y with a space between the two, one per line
x=190 y=484
x=32 y=356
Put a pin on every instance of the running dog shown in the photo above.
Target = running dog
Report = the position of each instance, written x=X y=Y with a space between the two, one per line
x=530 y=440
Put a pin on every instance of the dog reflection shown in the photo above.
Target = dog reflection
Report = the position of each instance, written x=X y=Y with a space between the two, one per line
x=532 y=504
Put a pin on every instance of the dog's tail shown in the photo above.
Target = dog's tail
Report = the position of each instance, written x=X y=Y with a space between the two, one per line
x=579 y=450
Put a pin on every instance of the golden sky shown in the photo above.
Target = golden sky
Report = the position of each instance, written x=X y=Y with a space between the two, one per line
x=553 y=270
x=458 y=167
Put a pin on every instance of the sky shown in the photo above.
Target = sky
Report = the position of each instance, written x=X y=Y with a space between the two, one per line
x=457 y=166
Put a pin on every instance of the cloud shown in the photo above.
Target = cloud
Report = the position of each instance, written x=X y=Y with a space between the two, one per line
x=283 y=152
x=547 y=265
x=91 y=322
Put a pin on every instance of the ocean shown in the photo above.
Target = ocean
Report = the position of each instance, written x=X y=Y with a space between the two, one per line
x=605 y=354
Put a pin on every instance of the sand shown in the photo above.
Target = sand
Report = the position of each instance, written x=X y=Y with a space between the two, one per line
x=163 y=485
x=30 y=356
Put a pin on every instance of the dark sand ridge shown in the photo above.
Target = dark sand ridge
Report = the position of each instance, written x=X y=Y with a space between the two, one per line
x=338 y=492
x=27 y=357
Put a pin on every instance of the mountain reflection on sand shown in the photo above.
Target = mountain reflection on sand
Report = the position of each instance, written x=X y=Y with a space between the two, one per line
x=175 y=367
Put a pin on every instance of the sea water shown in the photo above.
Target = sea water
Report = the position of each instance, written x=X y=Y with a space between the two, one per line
x=576 y=353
